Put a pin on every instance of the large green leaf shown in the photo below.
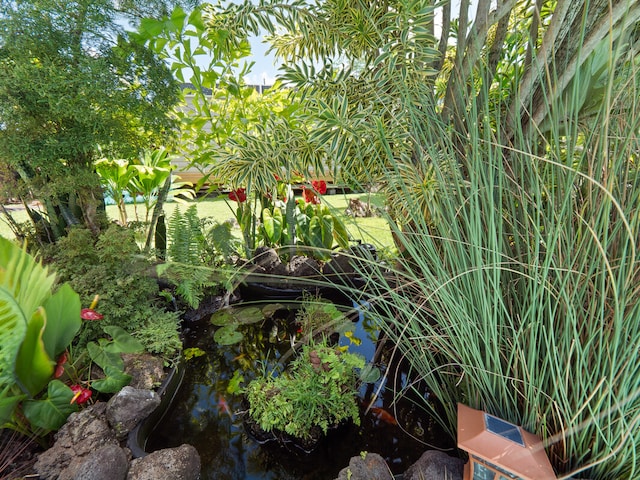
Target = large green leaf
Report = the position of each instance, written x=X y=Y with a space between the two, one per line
x=114 y=381
x=63 y=320
x=315 y=233
x=13 y=328
x=51 y=412
x=22 y=276
x=228 y=335
x=103 y=358
x=327 y=231
x=340 y=233
x=223 y=317
x=33 y=366
x=122 y=341
x=272 y=224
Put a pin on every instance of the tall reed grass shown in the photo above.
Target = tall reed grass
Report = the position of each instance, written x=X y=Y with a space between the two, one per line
x=518 y=289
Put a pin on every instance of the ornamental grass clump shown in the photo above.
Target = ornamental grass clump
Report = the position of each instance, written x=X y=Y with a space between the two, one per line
x=518 y=289
x=518 y=286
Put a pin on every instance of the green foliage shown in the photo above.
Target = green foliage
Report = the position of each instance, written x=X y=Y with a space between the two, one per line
x=217 y=106
x=317 y=316
x=80 y=94
x=106 y=354
x=318 y=228
x=230 y=319
x=36 y=325
x=222 y=243
x=161 y=336
x=521 y=278
x=317 y=390
x=192 y=254
x=186 y=237
x=114 y=268
x=312 y=228
x=51 y=412
x=115 y=176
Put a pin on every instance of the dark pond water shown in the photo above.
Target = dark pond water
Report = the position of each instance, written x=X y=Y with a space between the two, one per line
x=206 y=415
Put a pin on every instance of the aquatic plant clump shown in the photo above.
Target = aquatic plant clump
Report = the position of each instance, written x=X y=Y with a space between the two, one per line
x=318 y=390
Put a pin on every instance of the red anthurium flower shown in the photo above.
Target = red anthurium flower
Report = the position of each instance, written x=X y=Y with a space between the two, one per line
x=90 y=314
x=238 y=195
x=80 y=394
x=319 y=186
x=310 y=196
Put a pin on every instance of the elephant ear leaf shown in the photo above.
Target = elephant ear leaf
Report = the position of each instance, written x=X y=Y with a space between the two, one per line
x=13 y=328
x=51 y=412
x=33 y=366
x=63 y=320
x=115 y=379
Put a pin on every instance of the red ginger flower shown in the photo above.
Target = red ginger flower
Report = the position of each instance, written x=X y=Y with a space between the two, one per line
x=238 y=195
x=319 y=186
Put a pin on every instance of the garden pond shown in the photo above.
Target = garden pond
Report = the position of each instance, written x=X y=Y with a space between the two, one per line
x=226 y=350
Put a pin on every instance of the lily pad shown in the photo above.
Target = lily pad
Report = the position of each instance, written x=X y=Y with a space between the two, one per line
x=223 y=317
x=269 y=310
x=248 y=315
x=228 y=335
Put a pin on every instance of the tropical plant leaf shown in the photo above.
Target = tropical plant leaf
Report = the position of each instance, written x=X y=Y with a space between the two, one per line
x=103 y=358
x=13 y=328
x=8 y=403
x=33 y=366
x=122 y=341
x=63 y=320
x=51 y=412
x=26 y=279
x=223 y=317
x=114 y=381
x=340 y=233
x=248 y=315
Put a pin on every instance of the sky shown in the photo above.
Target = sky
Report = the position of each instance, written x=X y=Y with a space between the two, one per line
x=265 y=67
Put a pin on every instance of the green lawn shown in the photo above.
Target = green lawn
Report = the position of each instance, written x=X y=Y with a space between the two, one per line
x=371 y=230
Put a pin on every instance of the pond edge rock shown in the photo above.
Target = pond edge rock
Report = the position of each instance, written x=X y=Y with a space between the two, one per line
x=91 y=445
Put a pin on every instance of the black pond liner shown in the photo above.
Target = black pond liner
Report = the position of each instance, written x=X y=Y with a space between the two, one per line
x=138 y=437
x=275 y=291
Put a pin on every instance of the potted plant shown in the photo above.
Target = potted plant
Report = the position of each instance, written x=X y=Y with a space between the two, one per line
x=316 y=393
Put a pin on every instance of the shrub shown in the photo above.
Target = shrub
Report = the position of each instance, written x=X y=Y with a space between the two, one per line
x=114 y=268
